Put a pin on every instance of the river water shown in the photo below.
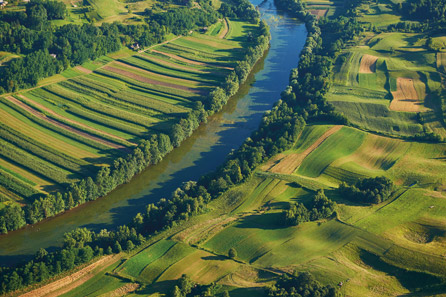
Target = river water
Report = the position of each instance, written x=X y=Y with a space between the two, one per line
x=204 y=151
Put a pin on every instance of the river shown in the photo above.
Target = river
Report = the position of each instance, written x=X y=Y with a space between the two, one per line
x=204 y=151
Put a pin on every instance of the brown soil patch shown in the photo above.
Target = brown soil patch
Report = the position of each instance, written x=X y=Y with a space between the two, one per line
x=175 y=57
x=291 y=162
x=122 y=291
x=63 y=126
x=225 y=30
x=72 y=281
x=42 y=107
x=319 y=12
x=83 y=69
x=405 y=98
x=151 y=81
x=368 y=64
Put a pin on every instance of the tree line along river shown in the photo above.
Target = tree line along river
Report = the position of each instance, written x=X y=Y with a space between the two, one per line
x=204 y=151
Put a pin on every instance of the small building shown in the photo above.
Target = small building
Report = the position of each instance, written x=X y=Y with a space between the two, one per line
x=135 y=46
x=53 y=55
x=3 y=4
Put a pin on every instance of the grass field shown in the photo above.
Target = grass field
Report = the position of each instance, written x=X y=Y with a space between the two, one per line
x=382 y=83
x=392 y=248
x=86 y=116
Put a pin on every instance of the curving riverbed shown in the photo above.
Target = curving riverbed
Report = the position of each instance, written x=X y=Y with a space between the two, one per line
x=201 y=153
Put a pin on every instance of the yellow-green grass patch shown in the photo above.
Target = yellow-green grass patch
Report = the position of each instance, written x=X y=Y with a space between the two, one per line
x=201 y=266
x=341 y=144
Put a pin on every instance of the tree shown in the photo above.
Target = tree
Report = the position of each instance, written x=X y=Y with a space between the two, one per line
x=41 y=254
x=232 y=253
x=129 y=245
x=117 y=247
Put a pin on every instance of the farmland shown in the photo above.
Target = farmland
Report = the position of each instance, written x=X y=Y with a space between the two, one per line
x=263 y=214
x=81 y=120
x=353 y=247
x=385 y=86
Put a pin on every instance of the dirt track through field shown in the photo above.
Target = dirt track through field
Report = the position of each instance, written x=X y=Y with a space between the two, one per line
x=405 y=98
x=175 y=57
x=61 y=125
x=289 y=163
x=72 y=281
x=368 y=64
x=46 y=109
x=225 y=30
x=151 y=81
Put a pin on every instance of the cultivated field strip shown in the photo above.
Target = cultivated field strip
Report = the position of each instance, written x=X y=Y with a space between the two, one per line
x=289 y=163
x=405 y=98
x=368 y=64
x=64 y=130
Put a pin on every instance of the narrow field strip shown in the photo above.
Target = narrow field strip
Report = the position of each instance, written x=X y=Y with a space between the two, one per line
x=225 y=29
x=368 y=64
x=61 y=125
x=71 y=281
x=291 y=162
x=405 y=98
x=208 y=42
x=51 y=112
x=151 y=81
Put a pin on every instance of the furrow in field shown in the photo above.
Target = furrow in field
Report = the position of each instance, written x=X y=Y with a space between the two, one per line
x=59 y=124
x=46 y=109
x=290 y=163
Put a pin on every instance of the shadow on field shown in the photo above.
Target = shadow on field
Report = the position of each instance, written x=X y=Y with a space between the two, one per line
x=411 y=280
x=266 y=221
x=214 y=258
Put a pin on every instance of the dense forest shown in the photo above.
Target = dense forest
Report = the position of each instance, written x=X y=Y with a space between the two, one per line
x=320 y=208
x=299 y=285
x=368 y=190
